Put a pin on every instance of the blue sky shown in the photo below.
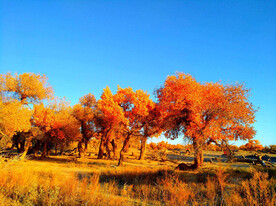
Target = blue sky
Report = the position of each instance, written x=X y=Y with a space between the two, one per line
x=83 y=46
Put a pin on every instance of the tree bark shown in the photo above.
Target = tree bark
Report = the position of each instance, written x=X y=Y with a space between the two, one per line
x=143 y=148
x=56 y=148
x=22 y=146
x=48 y=151
x=85 y=145
x=36 y=148
x=17 y=142
x=62 y=149
x=26 y=148
x=85 y=138
x=107 y=147
x=198 y=156
x=45 y=148
x=123 y=150
x=17 y=146
x=80 y=149
x=114 y=148
x=103 y=142
x=101 y=149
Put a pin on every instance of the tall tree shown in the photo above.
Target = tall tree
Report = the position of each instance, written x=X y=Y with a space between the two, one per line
x=205 y=112
x=84 y=112
x=151 y=126
x=110 y=117
x=136 y=107
x=18 y=92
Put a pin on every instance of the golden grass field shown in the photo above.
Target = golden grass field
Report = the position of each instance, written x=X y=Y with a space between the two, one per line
x=64 y=180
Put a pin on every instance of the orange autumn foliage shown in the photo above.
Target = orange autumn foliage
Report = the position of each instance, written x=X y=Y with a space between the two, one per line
x=165 y=145
x=14 y=117
x=136 y=106
x=109 y=118
x=84 y=112
x=27 y=87
x=150 y=128
x=203 y=112
x=16 y=93
x=56 y=120
x=252 y=145
x=110 y=109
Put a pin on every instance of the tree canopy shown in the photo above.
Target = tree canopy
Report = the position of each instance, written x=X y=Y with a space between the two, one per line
x=205 y=112
x=200 y=112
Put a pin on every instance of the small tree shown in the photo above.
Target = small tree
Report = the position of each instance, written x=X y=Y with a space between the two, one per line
x=253 y=145
x=56 y=122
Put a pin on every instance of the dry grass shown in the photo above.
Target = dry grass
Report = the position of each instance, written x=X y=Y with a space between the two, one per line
x=97 y=182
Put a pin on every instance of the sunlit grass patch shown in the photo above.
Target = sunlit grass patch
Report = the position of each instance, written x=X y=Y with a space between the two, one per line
x=53 y=183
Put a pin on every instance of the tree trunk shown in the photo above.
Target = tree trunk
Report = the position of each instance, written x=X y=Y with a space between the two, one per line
x=198 y=156
x=26 y=148
x=123 y=150
x=85 y=145
x=107 y=147
x=17 y=146
x=48 y=151
x=62 y=149
x=84 y=137
x=101 y=149
x=80 y=149
x=143 y=148
x=44 y=152
x=36 y=148
x=22 y=145
x=56 y=148
x=114 y=148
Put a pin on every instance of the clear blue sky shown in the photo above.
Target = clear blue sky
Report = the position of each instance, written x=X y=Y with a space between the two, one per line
x=83 y=46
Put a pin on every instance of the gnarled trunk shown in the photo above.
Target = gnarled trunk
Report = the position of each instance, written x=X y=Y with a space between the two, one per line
x=45 y=148
x=19 y=142
x=107 y=147
x=26 y=148
x=123 y=150
x=36 y=148
x=101 y=149
x=85 y=138
x=103 y=143
x=62 y=149
x=114 y=148
x=80 y=149
x=143 y=148
x=22 y=146
x=198 y=156
x=17 y=146
x=56 y=149
x=85 y=145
